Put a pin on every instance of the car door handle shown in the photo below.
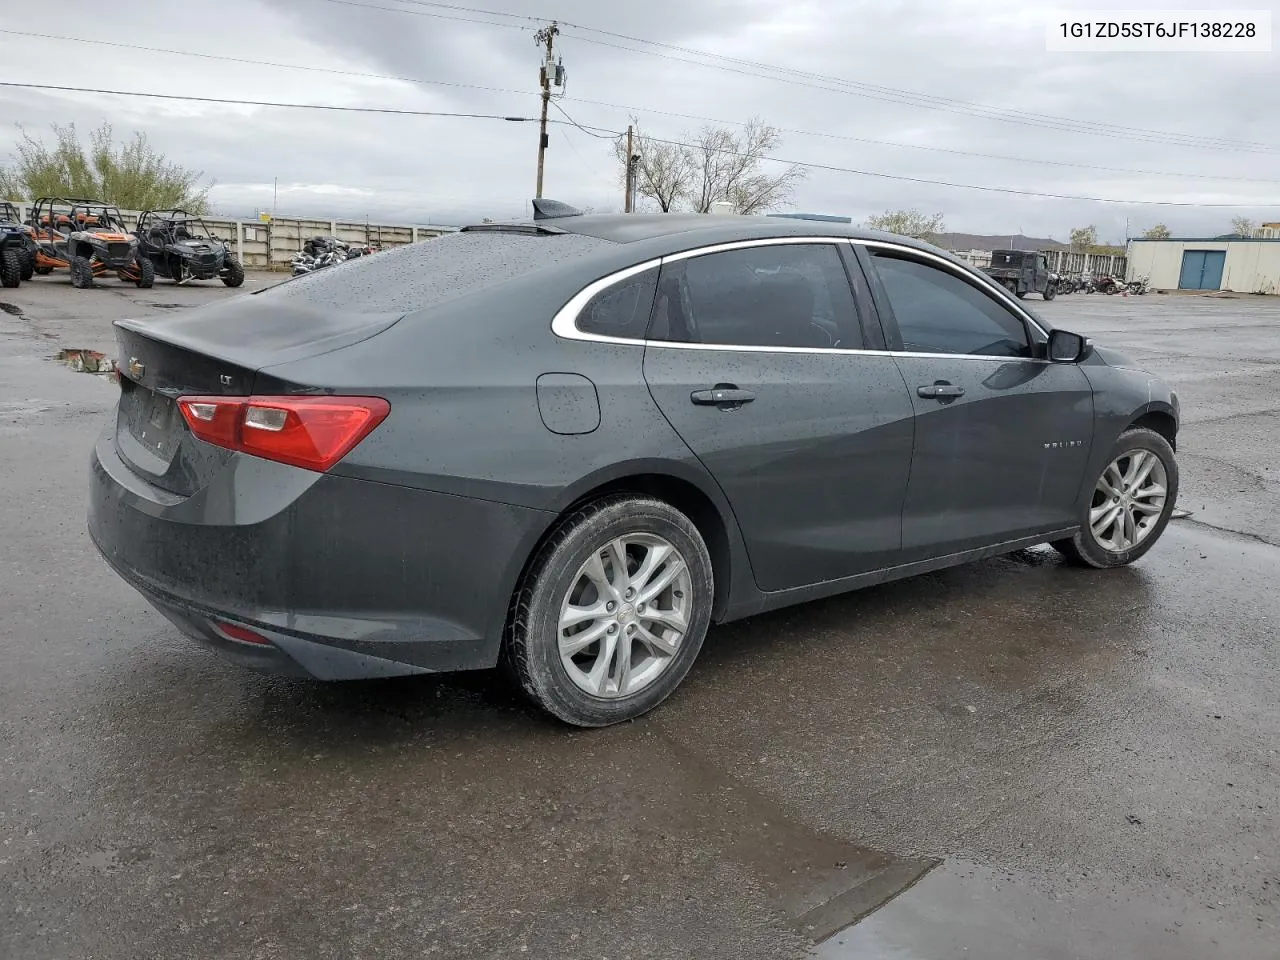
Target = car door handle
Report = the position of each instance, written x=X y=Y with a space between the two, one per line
x=722 y=396
x=936 y=390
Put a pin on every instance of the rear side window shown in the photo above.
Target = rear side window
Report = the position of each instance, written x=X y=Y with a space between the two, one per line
x=777 y=295
x=418 y=275
x=621 y=310
x=937 y=312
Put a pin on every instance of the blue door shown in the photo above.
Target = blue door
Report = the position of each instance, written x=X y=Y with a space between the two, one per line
x=1202 y=269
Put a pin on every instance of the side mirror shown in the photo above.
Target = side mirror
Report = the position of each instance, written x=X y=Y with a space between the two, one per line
x=1065 y=347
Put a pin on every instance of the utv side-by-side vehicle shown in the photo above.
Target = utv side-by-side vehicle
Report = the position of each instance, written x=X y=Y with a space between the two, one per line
x=89 y=238
x=181 y=248
x=1022 y=272
x=17 y=249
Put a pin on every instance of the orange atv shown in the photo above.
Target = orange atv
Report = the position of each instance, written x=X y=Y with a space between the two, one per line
x=89 y=238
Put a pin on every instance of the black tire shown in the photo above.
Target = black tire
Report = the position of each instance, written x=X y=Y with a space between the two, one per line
x=531 y=646
x=1020 y=294
x=10 y=268
x=81 y=273
x=1050 y=291
x=146 y=273
x=28 y=265
x=1084 y=548
x=43 y=271
x=234 y=272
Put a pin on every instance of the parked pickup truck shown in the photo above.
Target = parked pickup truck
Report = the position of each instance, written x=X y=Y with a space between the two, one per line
x=1023 y=272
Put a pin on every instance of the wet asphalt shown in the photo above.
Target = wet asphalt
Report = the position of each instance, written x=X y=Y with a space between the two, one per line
x=1011 y=759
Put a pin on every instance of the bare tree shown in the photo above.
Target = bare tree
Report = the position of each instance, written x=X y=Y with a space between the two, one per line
x=1084 y=239
x=663 y=172
x=711 y=166
x=908 y=223
x=1158 y=232
x=727 y=167
x=1242 y=226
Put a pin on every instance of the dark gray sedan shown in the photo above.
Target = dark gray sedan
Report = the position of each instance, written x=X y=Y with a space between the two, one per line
x=571 y=444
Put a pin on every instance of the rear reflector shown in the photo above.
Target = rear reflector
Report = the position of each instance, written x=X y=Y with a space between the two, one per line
x=309 y=432
x=243 y=634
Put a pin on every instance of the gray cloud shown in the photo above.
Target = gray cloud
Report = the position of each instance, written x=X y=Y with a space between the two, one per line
x=442 y=170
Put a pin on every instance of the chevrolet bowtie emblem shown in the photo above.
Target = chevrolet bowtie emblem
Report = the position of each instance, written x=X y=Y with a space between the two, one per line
x=136 y=368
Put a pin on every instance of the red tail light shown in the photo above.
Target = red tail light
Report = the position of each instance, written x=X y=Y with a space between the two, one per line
x=309 y=432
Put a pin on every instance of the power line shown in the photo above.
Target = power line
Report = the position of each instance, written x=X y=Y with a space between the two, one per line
x=920 y=99
x=440 y=16
x=261 y=63
x=586 y=130
x=903 y=98
x=269 y=103
x=640 y=110
x=918 y=146
x=946 y=183
x=872 y=91
x=492 y=116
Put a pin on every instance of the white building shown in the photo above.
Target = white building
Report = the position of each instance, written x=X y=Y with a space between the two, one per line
x=1243 y=266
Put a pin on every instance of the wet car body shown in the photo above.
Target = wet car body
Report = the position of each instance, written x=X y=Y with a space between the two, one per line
x=404 y=556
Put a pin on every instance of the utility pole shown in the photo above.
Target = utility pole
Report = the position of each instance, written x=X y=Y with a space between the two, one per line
x=631 y=171
x=550 y=72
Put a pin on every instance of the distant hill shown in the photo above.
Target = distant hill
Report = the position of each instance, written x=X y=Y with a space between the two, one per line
x=977 y=241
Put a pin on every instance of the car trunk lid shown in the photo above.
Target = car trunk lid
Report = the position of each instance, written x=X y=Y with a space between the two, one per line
x=212 y=351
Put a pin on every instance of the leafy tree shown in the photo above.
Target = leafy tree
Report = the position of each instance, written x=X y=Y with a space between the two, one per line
x=133 y=174
x=1158 y=232
x=1084 y=239
x=712 y=166
x=908 y=223
x=1243 y=226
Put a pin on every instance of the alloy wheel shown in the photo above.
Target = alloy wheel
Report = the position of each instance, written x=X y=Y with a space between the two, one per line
x=1128 y=500
x=625 y=615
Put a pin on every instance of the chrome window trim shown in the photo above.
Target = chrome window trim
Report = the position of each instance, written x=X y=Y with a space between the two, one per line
x=565 y=322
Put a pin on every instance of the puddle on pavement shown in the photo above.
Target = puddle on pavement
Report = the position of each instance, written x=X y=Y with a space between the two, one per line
x=87 y=361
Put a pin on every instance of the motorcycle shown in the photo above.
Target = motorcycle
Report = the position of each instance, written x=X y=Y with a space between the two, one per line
x=1107 y=284
x=1063 y=284
x=1140 y=285
x=318 y=253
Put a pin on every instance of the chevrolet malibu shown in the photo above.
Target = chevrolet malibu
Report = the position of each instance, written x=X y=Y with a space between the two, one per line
x=571 y=444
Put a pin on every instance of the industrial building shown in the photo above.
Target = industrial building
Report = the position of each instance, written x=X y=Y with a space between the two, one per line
x=1242 y=265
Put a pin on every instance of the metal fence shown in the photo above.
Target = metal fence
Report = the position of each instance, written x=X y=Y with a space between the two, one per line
x=271 y=244
x=1067 y=263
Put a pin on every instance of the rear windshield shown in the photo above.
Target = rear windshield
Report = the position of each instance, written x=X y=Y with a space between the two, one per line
x=411 y=277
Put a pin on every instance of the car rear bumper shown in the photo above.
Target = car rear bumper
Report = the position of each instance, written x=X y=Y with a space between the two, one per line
x=344 y=578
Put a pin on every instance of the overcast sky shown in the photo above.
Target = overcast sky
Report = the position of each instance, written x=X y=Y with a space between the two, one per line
x=451 y=170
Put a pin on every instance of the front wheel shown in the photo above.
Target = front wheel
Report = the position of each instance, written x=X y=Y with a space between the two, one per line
x=81 y=273
x=613 y=611
x=1050 y=291
x=10 y=268
x=1131 y=505
x=233 y=272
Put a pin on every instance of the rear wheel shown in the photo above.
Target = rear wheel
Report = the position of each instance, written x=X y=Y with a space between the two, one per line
x=613 y=611
x=81 y=273
x=1020 y=294
x=10 y=268
x=1051 y=291
x=233 y=272
x=43 y=271
x=1132 y=502
x=28 y=265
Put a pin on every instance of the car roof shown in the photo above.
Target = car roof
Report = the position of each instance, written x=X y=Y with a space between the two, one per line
x=672 y=232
